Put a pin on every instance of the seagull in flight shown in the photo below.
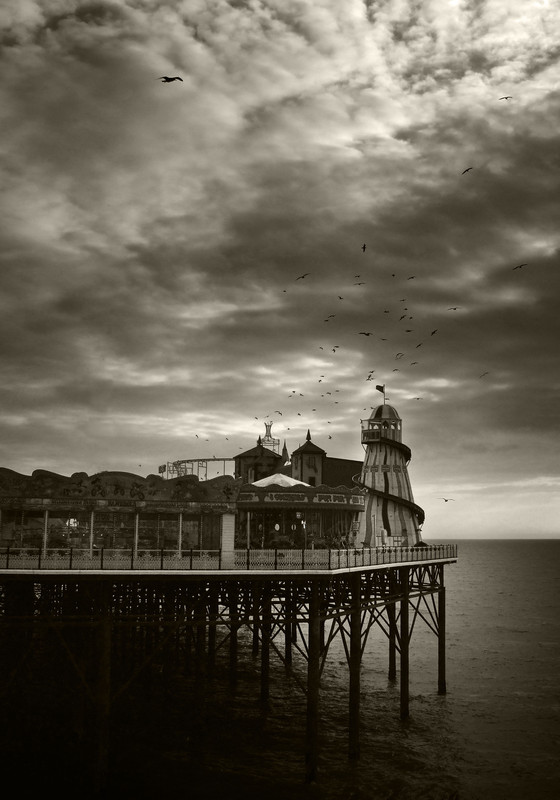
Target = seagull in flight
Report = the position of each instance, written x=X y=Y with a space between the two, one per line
x=279 y=412
x=453 y=308
x=447 y=499
x=466 y=170
x=167 y=79
x=363 y=248
x=360 y=283
x=483 y=374
x=364 y=333
x=519 y=266
x=506 y=97
x=303 y=276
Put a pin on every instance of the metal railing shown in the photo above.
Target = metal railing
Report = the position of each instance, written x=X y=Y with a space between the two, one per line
x=215 y=560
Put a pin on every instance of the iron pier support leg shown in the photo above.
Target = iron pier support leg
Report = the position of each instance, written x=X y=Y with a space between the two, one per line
x=355 y=664
x=256 y=621
x=233 y=627
x=442 y=686
x=313 y=678
x=212 y=622
x=265 y=642
x=103 y=686
x=288 y=605
x=392 y=617
x=404 y=575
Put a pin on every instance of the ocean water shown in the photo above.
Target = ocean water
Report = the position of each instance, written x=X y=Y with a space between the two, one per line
x=495 y=735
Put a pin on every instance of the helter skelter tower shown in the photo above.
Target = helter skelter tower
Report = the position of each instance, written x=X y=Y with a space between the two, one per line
x=391 y=517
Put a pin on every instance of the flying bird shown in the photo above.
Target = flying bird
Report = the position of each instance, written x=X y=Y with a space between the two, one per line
x=364 y=333
x=411 y=277
x=303 y=276
x=167 y=79
x=506 y=97
x=483 y=374
x=453 y=308
x=466 y=170
x=447 y=499
x=432 y=333
x=363 y=248
x=519 y=266
x=361 y=283
x=279 y=412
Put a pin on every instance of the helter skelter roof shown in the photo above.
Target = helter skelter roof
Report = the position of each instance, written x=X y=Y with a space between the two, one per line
x=384 y=411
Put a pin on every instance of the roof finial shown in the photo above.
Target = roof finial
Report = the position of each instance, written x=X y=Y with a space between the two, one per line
x=308 y=437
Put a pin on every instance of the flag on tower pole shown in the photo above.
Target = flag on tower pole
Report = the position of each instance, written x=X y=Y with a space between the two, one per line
x=381 y=389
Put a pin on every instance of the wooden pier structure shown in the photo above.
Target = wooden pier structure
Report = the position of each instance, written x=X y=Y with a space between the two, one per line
x=108 y=617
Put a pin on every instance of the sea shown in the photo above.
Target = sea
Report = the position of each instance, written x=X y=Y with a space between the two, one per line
x=495 y=735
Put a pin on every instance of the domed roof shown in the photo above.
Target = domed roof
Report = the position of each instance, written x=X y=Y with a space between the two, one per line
x=384 y=411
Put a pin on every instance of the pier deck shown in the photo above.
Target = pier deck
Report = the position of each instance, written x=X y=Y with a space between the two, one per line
x=109 y=617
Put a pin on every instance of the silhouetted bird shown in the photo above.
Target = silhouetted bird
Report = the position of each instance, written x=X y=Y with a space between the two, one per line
x=483 y=374
x=363 y=248
x=506 y=97
x=453 y=308
x=364 y=333
x=432 y=333
x=466 y=170
x=167 y=79
x=303 y=276
x=447 y=499
x=519 y=266
x=361 y=283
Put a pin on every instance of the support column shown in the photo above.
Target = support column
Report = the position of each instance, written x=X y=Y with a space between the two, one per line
x=404 y=576
x=265 y=642
x=233 y=617
x=45 y=530
x=313 y=678
x=256 y=621
x=180 y=534
x=442 y=687
x=392 y=617
x=103 y=685
x=91 y=524
x=212 y=621
x=136 y=527
x=288 y=606
x=355 y=665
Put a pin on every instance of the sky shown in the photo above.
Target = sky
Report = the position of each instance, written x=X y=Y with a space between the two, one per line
x=154 y=239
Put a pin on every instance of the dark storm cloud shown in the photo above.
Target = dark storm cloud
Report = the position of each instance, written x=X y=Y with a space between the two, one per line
x=152 y=235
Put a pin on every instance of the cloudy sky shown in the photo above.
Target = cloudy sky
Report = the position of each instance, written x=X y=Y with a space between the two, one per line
x=154 y=235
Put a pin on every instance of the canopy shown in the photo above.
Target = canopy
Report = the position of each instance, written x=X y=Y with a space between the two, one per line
x=279 y=480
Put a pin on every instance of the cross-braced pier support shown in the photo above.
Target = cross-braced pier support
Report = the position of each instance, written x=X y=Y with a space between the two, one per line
x=128 y=622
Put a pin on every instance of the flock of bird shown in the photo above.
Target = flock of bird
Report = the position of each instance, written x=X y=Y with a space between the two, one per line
x=404 y=317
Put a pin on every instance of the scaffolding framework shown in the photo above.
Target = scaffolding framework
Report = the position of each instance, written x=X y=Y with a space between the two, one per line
x=201 y=467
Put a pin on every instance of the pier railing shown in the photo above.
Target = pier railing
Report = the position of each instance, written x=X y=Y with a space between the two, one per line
x=212 y=560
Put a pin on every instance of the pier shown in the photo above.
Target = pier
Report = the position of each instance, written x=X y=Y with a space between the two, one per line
x=108 y=615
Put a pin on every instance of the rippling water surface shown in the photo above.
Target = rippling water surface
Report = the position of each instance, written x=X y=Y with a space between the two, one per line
x=496 y=734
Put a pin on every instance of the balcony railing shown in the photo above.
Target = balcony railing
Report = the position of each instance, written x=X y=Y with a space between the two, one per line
x=215 y=560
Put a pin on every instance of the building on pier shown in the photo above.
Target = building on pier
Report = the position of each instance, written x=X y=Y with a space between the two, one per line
x=273 y=500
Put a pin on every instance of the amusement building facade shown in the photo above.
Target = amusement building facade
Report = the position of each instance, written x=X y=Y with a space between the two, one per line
x=272 y=500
